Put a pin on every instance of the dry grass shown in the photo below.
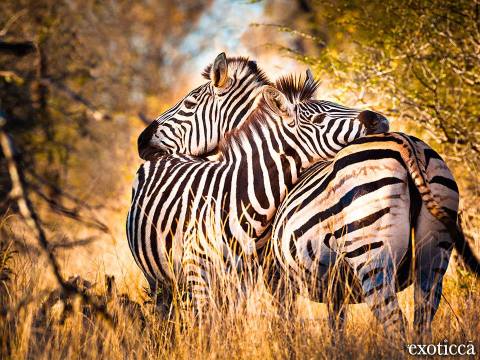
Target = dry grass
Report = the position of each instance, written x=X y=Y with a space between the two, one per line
x=38 y=322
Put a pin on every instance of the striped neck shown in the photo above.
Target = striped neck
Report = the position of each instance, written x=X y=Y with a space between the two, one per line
x=264 y=166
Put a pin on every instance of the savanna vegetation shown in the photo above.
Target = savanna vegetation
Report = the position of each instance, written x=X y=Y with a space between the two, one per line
x=79 y=80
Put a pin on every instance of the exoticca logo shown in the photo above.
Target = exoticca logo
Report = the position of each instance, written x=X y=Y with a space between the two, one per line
x=442 y=348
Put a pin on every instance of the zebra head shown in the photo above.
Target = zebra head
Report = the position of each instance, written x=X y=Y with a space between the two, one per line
x=198 y=122
x=337 y=124
x=317 y=129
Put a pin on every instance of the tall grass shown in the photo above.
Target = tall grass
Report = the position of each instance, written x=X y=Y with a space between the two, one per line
x=39 y=322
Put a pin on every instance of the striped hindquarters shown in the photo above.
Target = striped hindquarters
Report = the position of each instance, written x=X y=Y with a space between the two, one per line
x=357 y=203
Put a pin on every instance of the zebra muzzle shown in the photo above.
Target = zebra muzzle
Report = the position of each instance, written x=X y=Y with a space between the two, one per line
x=375 y=123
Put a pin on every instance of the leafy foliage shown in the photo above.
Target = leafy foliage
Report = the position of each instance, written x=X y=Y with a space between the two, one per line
x=422 y=58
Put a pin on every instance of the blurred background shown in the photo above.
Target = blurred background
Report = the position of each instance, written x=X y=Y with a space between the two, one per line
x=80 y=79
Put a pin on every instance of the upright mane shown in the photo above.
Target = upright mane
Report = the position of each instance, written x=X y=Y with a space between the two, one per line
x=297 y=89
x=241 y=63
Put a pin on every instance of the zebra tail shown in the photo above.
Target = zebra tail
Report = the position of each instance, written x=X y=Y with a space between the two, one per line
x=464 y=249
x=418 y=174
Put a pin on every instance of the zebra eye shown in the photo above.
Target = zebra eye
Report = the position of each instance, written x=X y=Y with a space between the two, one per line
x=318 y=119
x=189 y=103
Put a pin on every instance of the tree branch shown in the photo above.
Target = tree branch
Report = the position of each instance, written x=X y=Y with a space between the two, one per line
x=20 y=194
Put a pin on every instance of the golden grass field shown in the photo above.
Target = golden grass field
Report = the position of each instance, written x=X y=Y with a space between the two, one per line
x=40 y=325
x=38 y=322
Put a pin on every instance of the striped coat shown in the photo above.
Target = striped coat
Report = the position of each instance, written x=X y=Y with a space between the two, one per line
x=359 y=210
x=380 y=171
x=192 y=219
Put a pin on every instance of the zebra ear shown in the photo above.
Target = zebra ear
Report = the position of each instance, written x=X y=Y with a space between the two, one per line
x=219 y=71
x=276 y=101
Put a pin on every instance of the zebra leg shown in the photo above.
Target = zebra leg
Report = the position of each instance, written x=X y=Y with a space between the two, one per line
x=337 y=313
x=375 y=253
x=282 y=290
x=378 y=284
x=279 y=285
x=195 y=294
x=433 y=244
x=336 y=301
x=377 y=279
x=161 y=295
x=287 y=297
x=433 y=247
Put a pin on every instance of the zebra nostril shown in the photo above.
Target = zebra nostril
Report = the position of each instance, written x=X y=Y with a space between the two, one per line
x=383 y=124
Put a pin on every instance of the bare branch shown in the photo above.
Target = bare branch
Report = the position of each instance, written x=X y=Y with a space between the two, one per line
x=11 y=21
x=11 y=75
x=71 y=244
x=20 y=194
x=71 y=213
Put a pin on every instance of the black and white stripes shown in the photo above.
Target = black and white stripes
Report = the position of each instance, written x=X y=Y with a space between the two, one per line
x=359 y=209
x=191 y=217
x=197 y=123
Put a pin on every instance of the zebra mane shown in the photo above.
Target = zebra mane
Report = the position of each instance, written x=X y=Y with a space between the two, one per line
x=253 y=124
x=297 y=89
x=242 y=62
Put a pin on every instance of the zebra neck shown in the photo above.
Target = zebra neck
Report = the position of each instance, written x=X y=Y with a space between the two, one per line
x=263 y=171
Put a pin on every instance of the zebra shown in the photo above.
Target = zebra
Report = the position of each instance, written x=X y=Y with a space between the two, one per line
x=217 y=107
x=358 y=210
x=191 y=216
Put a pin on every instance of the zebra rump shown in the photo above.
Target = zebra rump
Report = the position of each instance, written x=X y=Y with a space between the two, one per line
x=347 y=212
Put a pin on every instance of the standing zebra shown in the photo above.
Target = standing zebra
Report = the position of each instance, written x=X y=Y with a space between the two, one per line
x=191 y=217
x=359 y=210
x=197 y=123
